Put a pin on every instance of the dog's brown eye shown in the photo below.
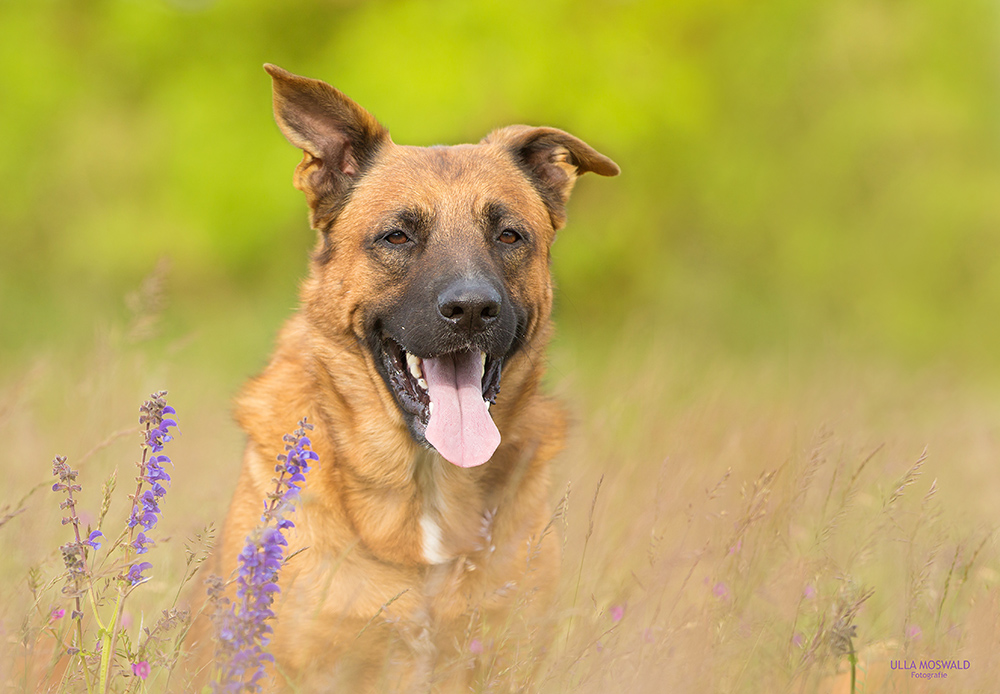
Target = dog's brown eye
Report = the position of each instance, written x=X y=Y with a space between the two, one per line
x=509 y=236
x=397 y=238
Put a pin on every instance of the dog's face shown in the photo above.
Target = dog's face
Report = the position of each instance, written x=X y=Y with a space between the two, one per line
x=435 y=259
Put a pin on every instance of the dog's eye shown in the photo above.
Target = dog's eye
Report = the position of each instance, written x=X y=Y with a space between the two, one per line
x=508 y=236
x=397 y=237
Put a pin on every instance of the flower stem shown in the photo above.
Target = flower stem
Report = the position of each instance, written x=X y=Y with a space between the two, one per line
x=78 y=614
x=110 y=636
x=108 y=642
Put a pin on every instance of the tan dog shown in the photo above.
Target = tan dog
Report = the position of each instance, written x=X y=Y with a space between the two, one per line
x=417 y=354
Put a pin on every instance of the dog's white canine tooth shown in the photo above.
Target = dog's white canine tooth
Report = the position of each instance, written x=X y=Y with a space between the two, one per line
x=430 y=407
x=414 y=363
x=482 y=365
x=422 y=383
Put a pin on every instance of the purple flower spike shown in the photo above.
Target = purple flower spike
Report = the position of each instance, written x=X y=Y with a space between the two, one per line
x=158 y=427
x=146 y=503
x=243 y=630
x=294 y=462
x=74 y=552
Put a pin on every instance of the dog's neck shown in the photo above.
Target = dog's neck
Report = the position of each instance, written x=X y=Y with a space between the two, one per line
x=442 y=511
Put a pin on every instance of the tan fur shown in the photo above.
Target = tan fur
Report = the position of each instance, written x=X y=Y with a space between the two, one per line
x=361 y=608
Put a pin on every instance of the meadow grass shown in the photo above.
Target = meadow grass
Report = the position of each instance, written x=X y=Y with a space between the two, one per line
x=728 y=524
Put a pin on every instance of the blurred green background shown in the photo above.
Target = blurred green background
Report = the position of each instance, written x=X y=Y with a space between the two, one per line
x=797 y=176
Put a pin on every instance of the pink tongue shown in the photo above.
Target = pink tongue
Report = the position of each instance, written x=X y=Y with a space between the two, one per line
x=460 y=427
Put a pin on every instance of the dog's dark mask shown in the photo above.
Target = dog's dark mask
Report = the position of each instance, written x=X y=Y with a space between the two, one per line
x=440 y=346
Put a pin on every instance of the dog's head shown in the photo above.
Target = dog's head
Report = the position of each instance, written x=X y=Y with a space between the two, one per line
x=436 y=260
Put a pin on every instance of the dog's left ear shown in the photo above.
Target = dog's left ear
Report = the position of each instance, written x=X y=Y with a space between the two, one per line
x=339 y=138
x=553 y=159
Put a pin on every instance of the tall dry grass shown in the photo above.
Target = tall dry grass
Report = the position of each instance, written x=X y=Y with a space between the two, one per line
x=728 y=525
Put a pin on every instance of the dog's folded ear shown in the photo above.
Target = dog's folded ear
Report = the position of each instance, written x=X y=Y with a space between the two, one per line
x=553 y=159
x=340 y=139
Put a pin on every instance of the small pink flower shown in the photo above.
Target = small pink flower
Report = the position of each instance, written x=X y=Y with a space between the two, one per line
x=600 y=647
x=141 y=669
x=809 y=592
x=647 y=636
x=617 y=612
x=57 y=613
x=476 y=646
x=914 y=632
x=720 y=591
x=797 y=640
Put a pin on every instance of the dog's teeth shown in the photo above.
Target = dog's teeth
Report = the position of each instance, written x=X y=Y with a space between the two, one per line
x=422 y=383
x=414 y=364
x=482 y=364
x=430 y=407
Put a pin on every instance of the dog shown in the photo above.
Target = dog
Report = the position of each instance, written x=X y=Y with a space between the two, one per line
x=417 y=355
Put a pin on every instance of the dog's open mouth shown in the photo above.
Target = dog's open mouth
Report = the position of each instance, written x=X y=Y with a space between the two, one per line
x=449 y=396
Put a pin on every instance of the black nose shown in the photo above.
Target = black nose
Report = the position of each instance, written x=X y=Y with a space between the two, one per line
x=471 y=305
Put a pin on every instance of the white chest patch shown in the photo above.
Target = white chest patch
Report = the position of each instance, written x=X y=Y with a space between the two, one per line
x=433 y=548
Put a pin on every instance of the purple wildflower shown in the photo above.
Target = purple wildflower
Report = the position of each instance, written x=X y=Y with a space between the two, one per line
x=140 y=542
x=134 y=575
x=56 y=614
x=150 y=509
x=153 y=413
x=617 y=612
x=476 y=646
x=242 y=628
x=720 y=591
x=146 y=503
x=91 y=540
x=294 y=462
x=154 y=469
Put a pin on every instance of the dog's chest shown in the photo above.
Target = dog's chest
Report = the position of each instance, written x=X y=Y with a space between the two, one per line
x=454 y=521
x=432 y=540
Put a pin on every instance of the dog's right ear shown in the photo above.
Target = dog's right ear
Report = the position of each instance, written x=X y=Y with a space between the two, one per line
x=554 y=160
x=339 y=138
